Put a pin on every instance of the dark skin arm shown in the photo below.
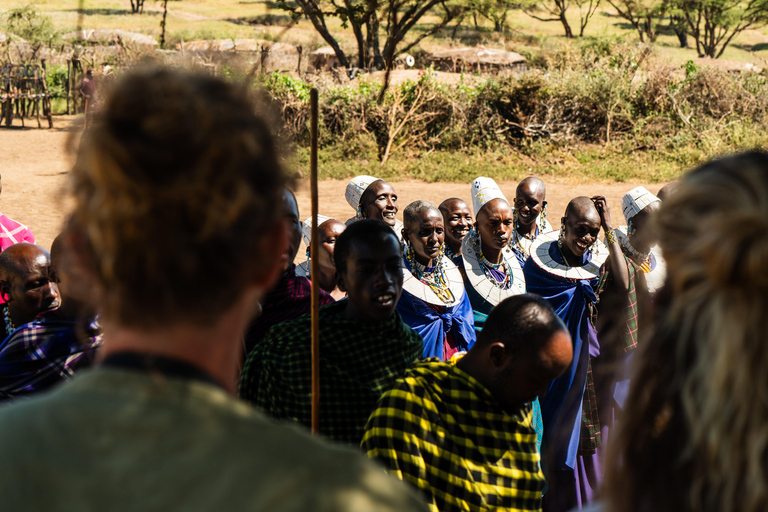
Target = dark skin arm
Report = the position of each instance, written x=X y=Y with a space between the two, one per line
x=616 y=256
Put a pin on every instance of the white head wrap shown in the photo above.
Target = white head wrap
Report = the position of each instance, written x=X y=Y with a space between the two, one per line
x=356 y=187
x=484 y=190
x=306 y=227
x=635 y=201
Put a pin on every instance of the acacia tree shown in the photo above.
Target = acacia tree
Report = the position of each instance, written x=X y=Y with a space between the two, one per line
x=555 y=10
x=645 y=16
x=365 y=17
x=495 y=11
x=137 y=6
x=36 y=29
x=714 y=23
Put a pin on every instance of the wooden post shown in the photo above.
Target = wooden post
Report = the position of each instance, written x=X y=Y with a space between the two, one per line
x=315 y=269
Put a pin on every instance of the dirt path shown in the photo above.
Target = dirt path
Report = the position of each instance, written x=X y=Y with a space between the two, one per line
x=35 y=165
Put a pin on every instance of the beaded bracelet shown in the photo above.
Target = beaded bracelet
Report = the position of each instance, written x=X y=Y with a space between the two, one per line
x=610 y=237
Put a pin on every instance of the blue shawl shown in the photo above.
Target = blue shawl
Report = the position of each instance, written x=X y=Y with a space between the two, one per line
x=561 y=405
x=433 y=326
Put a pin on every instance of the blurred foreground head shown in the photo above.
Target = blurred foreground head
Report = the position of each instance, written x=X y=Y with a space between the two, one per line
x=178 y=195
x=695 y=432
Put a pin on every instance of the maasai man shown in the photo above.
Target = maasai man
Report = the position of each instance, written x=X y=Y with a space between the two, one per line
x=434 y=302
x=329 y=230
x=365 y=345
x=57 y=343
x=457 y=219
x=462 y=434
x=291 y=296
x=492 y=271
x=12 y=232
x=565 y=272
x=27 y=284
x=373 y=198
x=530 y=216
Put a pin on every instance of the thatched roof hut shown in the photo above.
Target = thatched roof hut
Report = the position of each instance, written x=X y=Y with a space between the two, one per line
x=477 y=60
x=276 y=56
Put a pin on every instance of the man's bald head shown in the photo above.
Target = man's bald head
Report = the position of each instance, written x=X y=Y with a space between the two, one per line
x=16 y=257
x=532 y=186
x=27 y=282
x=583 y=208
x=451 y=203
x=667 y=190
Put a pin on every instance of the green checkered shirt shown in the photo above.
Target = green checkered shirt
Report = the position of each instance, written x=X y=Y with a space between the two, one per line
x=443 y=431
x=358 y=362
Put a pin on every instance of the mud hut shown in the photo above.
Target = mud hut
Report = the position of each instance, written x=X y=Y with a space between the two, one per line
x=477 y=60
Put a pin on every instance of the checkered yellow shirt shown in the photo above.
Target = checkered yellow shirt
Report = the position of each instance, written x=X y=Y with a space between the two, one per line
x=442 y=431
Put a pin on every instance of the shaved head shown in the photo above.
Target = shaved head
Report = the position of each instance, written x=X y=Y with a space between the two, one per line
x=15 y=258
x=667 y=190
x=450 y=203
x=532 y=185
x=27 y=282
x=583 y=208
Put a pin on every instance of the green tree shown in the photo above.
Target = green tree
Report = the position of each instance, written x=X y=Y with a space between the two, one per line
x=495 y=11
x=555 y=10
x=36 y=29
x=645 y=16
x=714 y=23
x=368 y=18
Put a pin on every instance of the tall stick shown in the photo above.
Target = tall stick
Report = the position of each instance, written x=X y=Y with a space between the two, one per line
x=315 y=270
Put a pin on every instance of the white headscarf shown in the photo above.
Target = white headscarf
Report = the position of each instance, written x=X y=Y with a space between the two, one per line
x=355 y=189
x=635 y=201
x=306 y=227
x=484 y=190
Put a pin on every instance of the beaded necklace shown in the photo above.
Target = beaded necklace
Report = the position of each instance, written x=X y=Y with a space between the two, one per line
x=497 y=273
x=515 y=243
x=636 y=255
x=434 y=277
x=9 y=325
x=449 y=253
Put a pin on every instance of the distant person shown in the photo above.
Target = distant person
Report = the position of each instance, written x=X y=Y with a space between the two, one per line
x=57 y=343
x=181 y=240
x=372 y=198
x=364 y=347
x=492 y=272
x=27 y=283
x=88 y=92
x=12 y=232
x=291 y=296
x=692 y=435
x=530 y=216
x=433 y=302
x=458 y=222
x=462 y=434
x=329 y=231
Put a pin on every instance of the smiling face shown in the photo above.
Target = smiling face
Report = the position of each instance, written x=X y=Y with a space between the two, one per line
x=457 y=219
x=426 y=235
x=494 y=224
x=329 y=231
x=379 y=201
x=582 y=227
x=373 y=278
x=529 y=201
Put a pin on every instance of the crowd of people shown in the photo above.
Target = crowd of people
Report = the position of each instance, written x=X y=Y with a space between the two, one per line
x=479 y=355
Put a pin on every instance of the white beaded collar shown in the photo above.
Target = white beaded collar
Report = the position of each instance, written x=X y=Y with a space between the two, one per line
x=656 y=277
x=478 y=280
x=424 y=293
x=540 y=256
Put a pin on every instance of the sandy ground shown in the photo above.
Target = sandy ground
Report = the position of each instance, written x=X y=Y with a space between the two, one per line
x=35 y=165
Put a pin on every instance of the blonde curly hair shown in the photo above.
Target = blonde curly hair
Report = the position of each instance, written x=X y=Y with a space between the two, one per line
x=177 y=186
x=694 y=436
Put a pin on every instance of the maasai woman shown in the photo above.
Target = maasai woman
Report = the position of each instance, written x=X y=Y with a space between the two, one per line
x=530 y=216
x=457 y=218
x=638 y=240
x=329 y=229
x=492 y=271
x=433 y=302
x=565 y=271
x=373 y=198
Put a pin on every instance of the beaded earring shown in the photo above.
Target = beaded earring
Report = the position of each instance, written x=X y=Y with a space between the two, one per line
x=631 y=229
x=9 y=325
x=561 y=237
x=543 y=213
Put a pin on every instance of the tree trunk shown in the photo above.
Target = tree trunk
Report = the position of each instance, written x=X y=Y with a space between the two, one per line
x=374 y=47
x=566 y=26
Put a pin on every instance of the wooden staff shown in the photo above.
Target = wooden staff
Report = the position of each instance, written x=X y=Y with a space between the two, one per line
x=315 y=267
